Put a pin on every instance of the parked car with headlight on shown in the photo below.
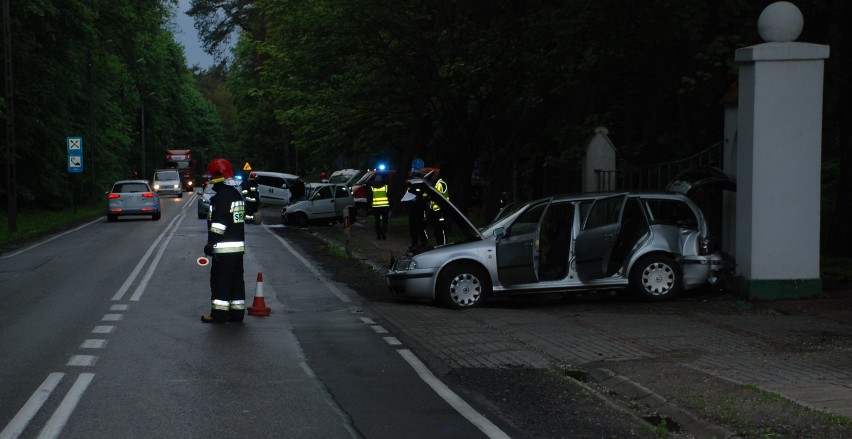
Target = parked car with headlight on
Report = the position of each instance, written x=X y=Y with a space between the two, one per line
x=654 y=244
x=132 y=197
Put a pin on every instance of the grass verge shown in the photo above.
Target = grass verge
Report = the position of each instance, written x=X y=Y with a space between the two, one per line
x=36 y=223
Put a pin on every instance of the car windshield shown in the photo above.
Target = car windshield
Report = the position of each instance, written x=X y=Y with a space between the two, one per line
x=171 y=175
x=502 y=218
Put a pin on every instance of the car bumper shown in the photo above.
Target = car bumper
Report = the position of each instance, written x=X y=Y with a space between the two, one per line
x=701 y=270
x=413 y=284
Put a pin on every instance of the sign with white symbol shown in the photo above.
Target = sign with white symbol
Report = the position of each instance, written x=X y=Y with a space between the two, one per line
x=75 y=154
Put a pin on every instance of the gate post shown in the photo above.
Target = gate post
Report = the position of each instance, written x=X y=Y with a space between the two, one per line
x=778 y=159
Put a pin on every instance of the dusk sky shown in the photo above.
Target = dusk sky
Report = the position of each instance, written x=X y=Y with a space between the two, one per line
x=185 y=35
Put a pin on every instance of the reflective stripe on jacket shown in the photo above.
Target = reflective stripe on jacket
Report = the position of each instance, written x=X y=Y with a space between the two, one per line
x=440 y=186
x=380 y=196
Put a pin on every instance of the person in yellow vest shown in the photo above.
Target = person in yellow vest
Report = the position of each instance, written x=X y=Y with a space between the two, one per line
x=381 y=206
x=436 y=216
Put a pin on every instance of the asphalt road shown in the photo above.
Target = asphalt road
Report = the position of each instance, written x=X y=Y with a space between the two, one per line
x=100 y=338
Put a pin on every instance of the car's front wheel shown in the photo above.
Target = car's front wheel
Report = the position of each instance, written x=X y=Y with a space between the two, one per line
x=656 y=277
x=298 y=219
x=463 y=285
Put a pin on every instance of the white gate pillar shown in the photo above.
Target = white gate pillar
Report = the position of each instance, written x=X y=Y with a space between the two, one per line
x=778 y=159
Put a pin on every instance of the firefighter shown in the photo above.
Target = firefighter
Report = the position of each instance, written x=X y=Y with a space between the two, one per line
x=436 y=216
x=381 y=206
x=225 y=246
x=416 y=207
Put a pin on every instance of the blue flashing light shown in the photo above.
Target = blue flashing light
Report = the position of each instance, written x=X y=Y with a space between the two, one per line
x=381 y=166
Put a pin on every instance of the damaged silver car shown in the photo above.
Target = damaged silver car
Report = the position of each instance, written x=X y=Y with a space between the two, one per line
x=655 y=244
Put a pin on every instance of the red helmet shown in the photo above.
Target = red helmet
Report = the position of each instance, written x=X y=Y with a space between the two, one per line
x=219 y=170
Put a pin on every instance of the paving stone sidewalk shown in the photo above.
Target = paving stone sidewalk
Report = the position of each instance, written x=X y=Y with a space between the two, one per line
x=805 y=356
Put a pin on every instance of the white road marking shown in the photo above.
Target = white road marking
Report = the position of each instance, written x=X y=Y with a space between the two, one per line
x=379 y=329
x=126 y=285
x=82 y=360
x=112 y=317
x=336 y=291
x=28 y=411
x=66 y=407
x=464 y=409
x=151 y=268
x=367 y=320
x=393 y=341
x=94 y=343
x=103 y=329
x=119 y=307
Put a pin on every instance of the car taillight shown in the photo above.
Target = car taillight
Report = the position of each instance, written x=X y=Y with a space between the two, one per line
x=113 y=196
x=148 y=195
x=705 y=246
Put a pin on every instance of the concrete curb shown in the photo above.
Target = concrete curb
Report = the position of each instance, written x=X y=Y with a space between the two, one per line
x=634 y=391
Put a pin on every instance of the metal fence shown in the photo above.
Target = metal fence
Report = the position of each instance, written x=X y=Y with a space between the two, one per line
x=656 y=177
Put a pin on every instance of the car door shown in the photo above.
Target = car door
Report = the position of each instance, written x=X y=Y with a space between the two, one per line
x=322 y=203
x=342 y=199
x=598 y=235
x=518 y=249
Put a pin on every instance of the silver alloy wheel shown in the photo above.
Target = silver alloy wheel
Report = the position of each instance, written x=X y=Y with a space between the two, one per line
x=465 y=289
x=658 y=278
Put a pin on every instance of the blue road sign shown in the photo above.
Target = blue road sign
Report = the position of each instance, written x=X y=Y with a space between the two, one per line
x=75 y=154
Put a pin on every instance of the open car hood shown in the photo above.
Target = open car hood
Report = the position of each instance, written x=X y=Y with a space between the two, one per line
x=451 y=212
x=688 y=182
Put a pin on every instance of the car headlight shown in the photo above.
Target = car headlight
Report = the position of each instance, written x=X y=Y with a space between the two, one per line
x=406 y=264
x=156 y=187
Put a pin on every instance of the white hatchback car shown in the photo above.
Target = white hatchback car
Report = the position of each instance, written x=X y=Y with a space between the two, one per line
x=325 y=202
x=655 y=244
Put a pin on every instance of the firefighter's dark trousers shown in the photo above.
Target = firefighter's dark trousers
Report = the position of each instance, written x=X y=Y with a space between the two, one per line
x=228 y=290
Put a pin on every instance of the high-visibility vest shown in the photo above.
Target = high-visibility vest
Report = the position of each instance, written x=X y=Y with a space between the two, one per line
x=440 y=186
x=380 y=196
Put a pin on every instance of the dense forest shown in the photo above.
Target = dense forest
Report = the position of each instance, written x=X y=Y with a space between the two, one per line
x=510 y=90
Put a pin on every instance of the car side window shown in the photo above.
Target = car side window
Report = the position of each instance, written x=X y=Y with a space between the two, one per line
x=323 y=193
x=606 y=211
x=527 y=222
x=672 y=213
x=341 y=192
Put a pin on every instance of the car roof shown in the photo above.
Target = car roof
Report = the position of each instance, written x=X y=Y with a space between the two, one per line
x=130 y=181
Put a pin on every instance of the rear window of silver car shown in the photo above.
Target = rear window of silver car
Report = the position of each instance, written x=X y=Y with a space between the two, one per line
x=129 y=188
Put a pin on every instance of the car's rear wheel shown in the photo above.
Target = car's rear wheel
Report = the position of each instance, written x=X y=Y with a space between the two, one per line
x=462 y=285
x=656 y=277
x=112 y=218
x=156 y=216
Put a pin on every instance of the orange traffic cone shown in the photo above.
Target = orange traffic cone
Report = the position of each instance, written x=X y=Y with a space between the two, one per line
x=258 y=307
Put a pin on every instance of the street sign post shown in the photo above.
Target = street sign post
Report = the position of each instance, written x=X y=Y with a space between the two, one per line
x=75 y=154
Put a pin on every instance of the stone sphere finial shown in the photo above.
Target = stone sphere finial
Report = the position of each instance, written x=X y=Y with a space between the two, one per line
x=780 y=22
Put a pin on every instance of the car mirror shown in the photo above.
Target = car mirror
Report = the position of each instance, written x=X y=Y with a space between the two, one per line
x=499 y=232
